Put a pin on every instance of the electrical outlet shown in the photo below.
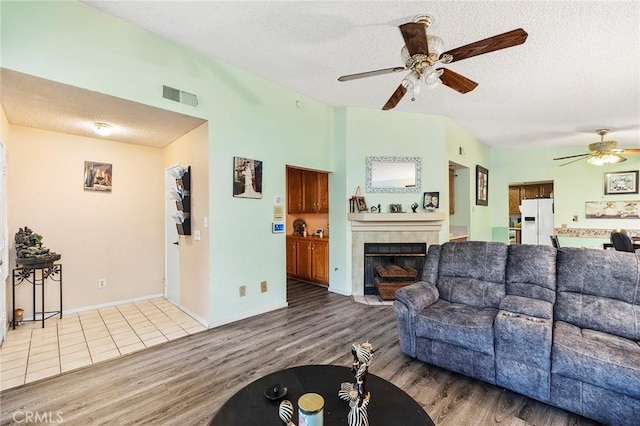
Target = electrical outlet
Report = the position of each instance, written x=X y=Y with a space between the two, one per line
x=243 y=290
x=102 y=283
x=263 y=286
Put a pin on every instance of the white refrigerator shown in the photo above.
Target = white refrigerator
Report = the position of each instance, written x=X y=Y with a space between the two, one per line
x=537 y=221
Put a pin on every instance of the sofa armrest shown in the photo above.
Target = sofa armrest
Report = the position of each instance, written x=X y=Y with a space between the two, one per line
x=418 y=296
x=527 y=306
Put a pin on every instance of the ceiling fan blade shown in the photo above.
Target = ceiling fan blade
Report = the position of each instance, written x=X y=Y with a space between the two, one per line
x=370 y=73
x=456 y=81
x=491 y=44
x=573 y=161
x=631 y=150
x=572 y=156
x=415 y=38
x=395 y=98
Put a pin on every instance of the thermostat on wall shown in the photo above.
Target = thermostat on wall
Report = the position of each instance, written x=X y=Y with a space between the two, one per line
x=277 y=227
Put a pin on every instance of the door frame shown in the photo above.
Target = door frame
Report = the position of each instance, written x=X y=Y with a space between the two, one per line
x=169 y=240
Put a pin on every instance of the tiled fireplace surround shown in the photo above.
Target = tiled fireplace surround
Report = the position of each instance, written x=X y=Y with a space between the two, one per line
x=388 y=228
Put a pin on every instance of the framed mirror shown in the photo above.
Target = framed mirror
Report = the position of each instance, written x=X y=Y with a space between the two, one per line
x=394 y=174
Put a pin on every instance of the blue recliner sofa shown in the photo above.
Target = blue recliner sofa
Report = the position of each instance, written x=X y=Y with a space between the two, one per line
x=559 y=325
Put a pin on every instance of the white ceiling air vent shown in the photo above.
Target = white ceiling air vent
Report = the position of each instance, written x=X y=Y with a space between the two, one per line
x=181 y=96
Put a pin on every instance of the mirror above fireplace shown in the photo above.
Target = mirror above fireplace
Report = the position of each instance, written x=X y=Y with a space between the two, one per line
x=394 y=174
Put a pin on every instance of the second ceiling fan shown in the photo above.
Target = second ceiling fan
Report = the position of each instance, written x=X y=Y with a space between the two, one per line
x=422 y=52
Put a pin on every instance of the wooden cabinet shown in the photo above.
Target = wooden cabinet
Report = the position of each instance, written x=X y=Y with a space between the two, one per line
x=294 y=190
x=320 y=261
x=514 y=199
x=307 y=191
x=518 y=193
x=292 y=257
x=308 y=259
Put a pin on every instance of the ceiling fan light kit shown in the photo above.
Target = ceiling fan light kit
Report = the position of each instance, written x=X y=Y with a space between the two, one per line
x=423 y=51
x=603 y=152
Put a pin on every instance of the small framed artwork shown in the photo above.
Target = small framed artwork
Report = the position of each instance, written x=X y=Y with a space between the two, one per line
x=431 y=200
x=395 y=208
x=247 y=178
x=621 y=183
x=482 y=186
x=97 y=176
x=361 y=204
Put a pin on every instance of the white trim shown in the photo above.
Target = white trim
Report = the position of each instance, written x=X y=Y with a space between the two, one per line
x=247 y=315
x=190 y=313
x=340 y=292
x=109 y=304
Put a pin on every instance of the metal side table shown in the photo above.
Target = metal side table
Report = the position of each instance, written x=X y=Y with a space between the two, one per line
x=37 y=275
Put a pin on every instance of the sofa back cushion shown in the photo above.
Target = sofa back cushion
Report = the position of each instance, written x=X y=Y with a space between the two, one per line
x=531 y=272
x=473 y=273
x=599 y=290
x=431 y=264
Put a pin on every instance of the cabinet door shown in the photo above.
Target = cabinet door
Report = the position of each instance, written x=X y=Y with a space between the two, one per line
x=303 y=257
x=323 y=192
x=320 y=261
x=292 y=258
x=514 y=199
x=294 y=190
x=545 y=190
x=530 y=192
x=309 y=192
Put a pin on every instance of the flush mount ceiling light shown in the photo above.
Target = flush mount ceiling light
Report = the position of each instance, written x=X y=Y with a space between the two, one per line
x=103 y=129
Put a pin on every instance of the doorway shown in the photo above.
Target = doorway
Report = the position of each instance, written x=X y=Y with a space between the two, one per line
x=172 y=241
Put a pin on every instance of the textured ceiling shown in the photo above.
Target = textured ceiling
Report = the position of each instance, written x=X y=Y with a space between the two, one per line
x=44 y=104
x=578 y=71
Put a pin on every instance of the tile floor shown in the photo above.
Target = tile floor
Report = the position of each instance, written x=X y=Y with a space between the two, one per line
x=372 y=300
x=31 y=352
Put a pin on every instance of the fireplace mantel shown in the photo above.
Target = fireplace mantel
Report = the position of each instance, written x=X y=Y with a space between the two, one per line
x=396 y=221
x=388 y=228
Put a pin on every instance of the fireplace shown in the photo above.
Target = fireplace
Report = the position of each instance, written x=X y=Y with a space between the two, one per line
x=408 y=258
x=402 y=228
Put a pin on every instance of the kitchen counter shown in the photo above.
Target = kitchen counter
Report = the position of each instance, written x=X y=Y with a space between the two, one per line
x=455 y=238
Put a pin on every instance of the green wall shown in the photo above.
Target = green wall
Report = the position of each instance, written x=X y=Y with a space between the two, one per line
x=74 y=44
x=573 y=185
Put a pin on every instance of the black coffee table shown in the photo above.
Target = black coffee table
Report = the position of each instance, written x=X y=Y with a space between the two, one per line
x=388 y=406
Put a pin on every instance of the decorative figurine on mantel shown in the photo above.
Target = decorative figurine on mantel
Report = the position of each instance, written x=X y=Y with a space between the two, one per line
x=357 y=393
x=414 y=206
x=30 y=252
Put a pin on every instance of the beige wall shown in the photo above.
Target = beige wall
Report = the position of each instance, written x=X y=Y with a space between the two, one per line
x=192 y=150
x=118 y=236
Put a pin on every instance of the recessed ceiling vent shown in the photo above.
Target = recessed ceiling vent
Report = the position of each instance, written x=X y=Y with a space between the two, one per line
x=181 y=96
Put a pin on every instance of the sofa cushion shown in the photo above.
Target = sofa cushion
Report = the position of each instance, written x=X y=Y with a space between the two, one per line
x=461 y=325
x=599 y=290
x=531 y=272
x=430 y=269
x=473 y=273
x=602 y=359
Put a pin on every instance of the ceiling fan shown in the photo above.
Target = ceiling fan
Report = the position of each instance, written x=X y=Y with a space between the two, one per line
x=422 y=52
x=603 y=152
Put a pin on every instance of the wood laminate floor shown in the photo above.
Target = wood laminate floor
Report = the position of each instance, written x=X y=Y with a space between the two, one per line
x=185 y=381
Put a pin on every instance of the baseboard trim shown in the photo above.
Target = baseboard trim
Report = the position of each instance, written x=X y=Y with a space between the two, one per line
x=340 y=292
x=110 y=304
x=189 y=312
x=247 y=315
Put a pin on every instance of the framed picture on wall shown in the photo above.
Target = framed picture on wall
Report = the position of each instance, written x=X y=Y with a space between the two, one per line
x=97 y=176
x=482 y=186
x=431 y=200
x=247 y=178
x=621 y=182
